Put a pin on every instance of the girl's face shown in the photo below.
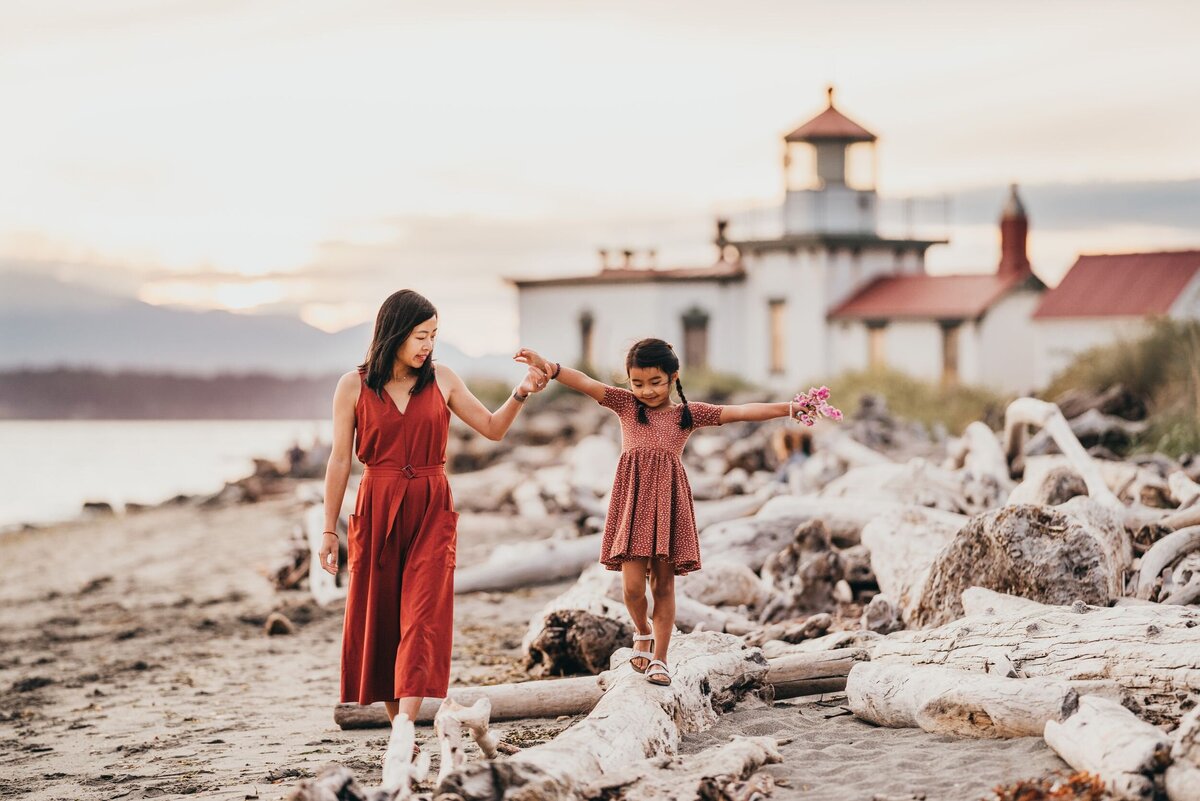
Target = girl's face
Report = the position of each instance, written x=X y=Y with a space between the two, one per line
x=651 y=385
x=418 y=348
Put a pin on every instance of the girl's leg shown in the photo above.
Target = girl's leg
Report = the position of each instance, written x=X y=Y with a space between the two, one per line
x=662 y=586
x=633 y=581
x=409 y=706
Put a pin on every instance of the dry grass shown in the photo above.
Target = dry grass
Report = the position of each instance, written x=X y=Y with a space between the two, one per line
x=1162 y=367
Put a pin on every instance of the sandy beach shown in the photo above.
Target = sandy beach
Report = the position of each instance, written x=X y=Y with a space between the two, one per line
x=135 y=666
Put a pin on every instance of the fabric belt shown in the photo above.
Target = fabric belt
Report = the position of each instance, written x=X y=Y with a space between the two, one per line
x=408 y=471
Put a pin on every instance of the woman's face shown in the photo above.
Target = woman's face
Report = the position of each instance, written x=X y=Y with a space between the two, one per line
x=418 y=348
x=651 y=385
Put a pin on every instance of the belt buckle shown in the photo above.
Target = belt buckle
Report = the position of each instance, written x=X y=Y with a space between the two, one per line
x=408 y=472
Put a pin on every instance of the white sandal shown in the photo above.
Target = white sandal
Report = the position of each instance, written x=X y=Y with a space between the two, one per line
x=658 y=668
x=639 y=653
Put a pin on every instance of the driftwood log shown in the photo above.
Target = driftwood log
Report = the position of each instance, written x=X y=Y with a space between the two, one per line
x=1056 y=555
x=715 y=773
x=1025 y=412
x=530 y=699
x=1183 y=776
x=1106 y=739
x=634 y=719
x=947 y=701
x=904 y=543
x=1151 y=651
x=792 y=674
x=1161 y=555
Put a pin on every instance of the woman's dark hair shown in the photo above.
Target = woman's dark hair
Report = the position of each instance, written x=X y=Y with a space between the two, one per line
x=398 y=316
x=655 y=353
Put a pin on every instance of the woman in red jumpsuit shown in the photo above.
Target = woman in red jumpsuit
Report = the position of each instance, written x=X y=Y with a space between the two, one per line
x=400 y=603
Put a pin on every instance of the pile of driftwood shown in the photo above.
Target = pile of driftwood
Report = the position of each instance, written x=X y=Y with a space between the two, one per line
x=1016 y=586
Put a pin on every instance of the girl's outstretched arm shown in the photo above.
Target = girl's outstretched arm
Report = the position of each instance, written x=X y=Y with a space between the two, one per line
x=576 y=380
x=753 y=412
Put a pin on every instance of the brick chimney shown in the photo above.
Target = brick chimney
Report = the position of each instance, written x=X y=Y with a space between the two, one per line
x=1014 y=229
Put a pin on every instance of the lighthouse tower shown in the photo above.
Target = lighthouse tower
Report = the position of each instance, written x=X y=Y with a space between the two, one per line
x=820 y=195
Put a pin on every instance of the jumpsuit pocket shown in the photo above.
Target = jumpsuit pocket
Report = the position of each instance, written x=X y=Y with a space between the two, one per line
x=446 y=525
x=355 y=547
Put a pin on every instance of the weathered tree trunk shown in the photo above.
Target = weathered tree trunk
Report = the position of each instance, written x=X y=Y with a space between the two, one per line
x=1024 y=412
x=904 y=544
x=1183 y=490
x=1162 y=555
x=634 y=719
x=523 y=564
x=1151 y=651
x=715 y=773
x=1049 y=554
x=810 y=673
x=1183 y=776
x=530 y=699
x=1106 y=739
x=948 y=701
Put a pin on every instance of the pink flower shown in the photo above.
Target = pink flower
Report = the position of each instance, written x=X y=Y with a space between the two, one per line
x=823 y=393
x=806 y=419
x=835 y=414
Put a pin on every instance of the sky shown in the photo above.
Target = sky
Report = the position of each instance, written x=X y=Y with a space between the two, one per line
x=309 y=158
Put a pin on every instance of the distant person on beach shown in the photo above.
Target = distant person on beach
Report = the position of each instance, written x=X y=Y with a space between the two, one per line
x=651 y=526
x=394 y=412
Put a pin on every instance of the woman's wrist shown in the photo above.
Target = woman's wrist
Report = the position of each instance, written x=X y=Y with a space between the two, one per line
x=518 y=397
x=334 y=533
x=557 y=370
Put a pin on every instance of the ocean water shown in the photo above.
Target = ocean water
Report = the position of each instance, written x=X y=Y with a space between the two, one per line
x=48 y=469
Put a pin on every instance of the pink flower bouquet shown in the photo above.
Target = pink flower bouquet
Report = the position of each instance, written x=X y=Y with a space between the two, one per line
x=808 y=406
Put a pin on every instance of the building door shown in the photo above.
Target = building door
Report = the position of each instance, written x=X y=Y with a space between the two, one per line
x=695 y=339
x=776 y=316
x=876 y=345
x=950 y=329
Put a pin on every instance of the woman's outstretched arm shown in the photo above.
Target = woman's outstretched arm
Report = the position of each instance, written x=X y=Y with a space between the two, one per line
x=753 y=412
x=569 y=377
x=337 y=471
x=493 y=425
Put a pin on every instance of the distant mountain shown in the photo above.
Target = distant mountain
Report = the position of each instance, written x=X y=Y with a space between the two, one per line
x=46 y=323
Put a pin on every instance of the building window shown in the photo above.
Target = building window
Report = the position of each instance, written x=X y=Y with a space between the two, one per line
x=695 y=338
x=776 y=310
x=586 y=338
x=950 y=329
x=877 y=345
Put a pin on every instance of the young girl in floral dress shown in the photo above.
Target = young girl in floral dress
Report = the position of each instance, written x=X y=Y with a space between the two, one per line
x=651 y=524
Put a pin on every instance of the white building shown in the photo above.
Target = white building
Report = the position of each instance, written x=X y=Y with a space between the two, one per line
x=1106 y=298
x=819 y=291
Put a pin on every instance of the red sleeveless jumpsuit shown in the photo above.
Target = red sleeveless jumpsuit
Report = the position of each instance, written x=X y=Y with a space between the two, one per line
x=399 y=622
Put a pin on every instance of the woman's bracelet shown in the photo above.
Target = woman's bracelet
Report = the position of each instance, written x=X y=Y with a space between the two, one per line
x=557 y=370
x=519 y=398
x=791 y=415
x=334 y=533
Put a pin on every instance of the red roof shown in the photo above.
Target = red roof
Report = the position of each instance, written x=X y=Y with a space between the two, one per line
x=943 y=297
x=721 y=270
x=830 y=124
x=1121 y=285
